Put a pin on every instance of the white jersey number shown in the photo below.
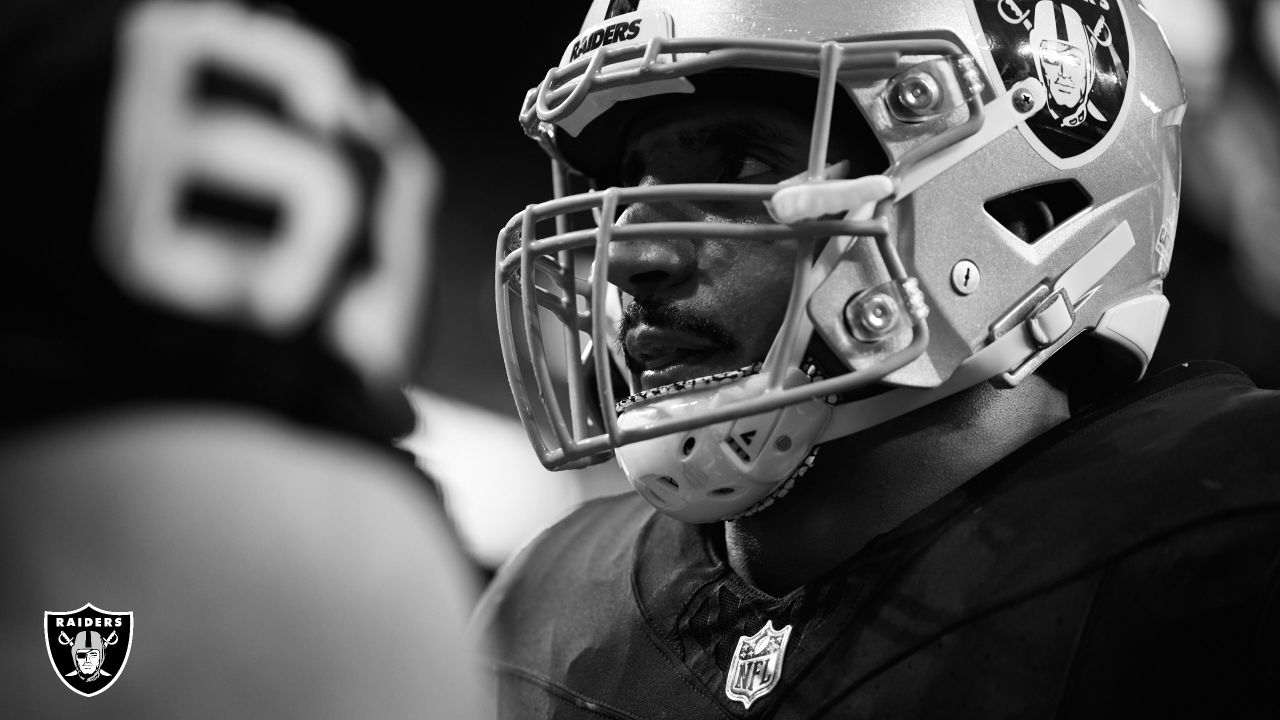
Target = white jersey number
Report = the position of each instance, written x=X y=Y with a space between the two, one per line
x=168 y=135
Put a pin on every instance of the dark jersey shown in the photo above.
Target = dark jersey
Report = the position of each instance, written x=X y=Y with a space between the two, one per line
x=1124 y=564
x=84 y=323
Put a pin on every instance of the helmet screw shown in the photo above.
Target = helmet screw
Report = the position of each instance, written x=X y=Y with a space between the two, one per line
x=918 y=92
x=871 y=316
x=783 y=443
x=1023 y=101
x=965 y=277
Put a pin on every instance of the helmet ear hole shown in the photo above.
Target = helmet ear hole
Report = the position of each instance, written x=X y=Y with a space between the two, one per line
x=1031 y=213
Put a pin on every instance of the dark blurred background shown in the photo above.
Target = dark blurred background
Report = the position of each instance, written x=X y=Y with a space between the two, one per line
x=461 y=71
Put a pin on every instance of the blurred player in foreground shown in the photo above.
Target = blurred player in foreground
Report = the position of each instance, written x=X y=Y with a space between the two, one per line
x=863 y=293
x=217 y=239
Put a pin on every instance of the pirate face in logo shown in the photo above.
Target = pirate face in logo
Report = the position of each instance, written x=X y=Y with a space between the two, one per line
x=1064 y=60
x=88 y=651
x=1078 y=49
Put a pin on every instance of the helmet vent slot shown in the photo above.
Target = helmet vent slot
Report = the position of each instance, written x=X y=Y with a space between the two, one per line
x=1031 y=213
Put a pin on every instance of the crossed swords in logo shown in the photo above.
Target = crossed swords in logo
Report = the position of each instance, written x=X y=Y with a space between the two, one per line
x=108 y=641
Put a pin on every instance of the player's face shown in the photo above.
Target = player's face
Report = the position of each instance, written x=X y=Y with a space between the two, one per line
x=88 y=660
x=696 y=307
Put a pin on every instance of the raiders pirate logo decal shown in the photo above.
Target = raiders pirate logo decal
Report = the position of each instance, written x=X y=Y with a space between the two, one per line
x=88 y=647
x=1079 y=50
x=757 y=664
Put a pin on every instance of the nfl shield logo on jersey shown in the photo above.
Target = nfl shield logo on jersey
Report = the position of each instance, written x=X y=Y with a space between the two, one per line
x=88 y=647
x=757 y=664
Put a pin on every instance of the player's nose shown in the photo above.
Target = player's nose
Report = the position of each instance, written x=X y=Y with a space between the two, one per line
x=649 y=265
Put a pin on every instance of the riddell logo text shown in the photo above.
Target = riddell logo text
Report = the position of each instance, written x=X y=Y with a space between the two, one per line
x=605 y=36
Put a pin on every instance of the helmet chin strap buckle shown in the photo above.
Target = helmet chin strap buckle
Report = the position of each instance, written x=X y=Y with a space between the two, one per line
x=1052 y=319
x=1049 y=325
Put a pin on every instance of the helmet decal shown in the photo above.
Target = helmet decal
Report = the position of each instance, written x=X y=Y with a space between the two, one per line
x=1079 y=50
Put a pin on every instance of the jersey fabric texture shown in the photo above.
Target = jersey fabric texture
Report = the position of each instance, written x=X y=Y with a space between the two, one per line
x=1123 y=564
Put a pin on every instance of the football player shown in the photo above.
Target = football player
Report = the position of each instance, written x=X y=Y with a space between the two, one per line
x=865 y=323
x=218 y=243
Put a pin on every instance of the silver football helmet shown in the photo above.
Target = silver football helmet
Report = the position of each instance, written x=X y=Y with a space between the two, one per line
x=1030 y=197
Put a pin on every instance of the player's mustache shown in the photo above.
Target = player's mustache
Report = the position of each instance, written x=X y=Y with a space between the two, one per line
x=666 y=315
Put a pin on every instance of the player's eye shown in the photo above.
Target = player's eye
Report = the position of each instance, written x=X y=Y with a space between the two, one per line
x=752 y=168
x=747 y=168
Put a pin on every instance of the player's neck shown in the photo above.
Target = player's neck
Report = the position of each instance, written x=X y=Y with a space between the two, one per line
x=869 y=483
